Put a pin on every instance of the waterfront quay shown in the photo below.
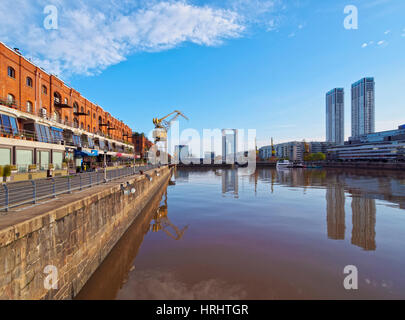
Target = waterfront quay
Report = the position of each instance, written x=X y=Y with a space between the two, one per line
x=68 y=237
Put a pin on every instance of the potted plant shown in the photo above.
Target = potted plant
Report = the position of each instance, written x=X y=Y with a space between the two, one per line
x=64 y=164
x=51 y=166
x=14 y=169
x=6 y=173
x=32 y=168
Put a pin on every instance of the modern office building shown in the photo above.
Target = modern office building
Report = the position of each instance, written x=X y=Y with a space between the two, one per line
x=229 y=145
x=363 y=107
x=335 y=113
x=385 y=145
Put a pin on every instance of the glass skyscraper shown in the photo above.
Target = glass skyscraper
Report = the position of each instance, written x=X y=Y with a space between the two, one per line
x=363 y=107
x=335 y=114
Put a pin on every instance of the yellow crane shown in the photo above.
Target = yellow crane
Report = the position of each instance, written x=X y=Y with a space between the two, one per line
x=163 y=125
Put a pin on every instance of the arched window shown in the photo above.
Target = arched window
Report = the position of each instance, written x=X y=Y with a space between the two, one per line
x=82 y=126
x=29 y=106
x=75 y=107
x=66 y=120
x=29 y=82
x=11 y=72
x=44 y=89
x=100 y=121
x=75 y=123
x=88 y=128
x=66 y=100
x=94 y=129
x=82 y=110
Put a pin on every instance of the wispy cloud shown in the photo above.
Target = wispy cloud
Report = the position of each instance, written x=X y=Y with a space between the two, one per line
x=94 y=35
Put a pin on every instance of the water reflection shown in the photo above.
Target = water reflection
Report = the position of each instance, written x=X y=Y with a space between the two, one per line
x=275 y=234
x=161 y=222
x=363 y=217
x=335 y=211
x=230 y=182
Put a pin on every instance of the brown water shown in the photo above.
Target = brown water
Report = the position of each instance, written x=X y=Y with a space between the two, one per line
x=273 y=235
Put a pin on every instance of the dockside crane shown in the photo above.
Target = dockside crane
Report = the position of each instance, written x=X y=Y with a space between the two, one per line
x=162 y=126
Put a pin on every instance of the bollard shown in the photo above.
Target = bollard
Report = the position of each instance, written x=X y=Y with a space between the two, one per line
x=53 y=188
x=80 y=179
x=34 y=192
x=6 y=197
x=69 y=184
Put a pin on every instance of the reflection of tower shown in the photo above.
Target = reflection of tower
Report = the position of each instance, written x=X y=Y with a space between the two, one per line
x=230 y=182
x=363 y=217
x=181 y=175
x=335 y=212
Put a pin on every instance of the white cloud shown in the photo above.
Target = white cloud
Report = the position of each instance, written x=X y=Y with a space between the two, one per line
x=387 y=32
x=364 y=45
x=291 y=35
x=382 y=43
x=94 y=35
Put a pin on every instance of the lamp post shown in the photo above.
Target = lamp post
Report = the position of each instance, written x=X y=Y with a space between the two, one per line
x=105 y=167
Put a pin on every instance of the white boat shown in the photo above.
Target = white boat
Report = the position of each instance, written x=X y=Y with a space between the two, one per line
x=284 y=164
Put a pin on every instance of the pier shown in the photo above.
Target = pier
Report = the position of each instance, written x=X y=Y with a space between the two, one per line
x=70 y=235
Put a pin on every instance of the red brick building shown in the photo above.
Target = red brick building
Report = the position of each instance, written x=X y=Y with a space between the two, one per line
x=141 y=145
x=44 y=114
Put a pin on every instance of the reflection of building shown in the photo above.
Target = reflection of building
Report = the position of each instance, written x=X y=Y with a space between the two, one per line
x=181 y=175
x=335 y=212
x=335 y=110
x=363 y=107
x=209 y=157
x=363 y=217
x=229 y=145
x=230 y=182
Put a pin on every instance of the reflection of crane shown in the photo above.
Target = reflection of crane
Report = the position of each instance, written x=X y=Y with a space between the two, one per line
x=163 y=125
x=162 y=222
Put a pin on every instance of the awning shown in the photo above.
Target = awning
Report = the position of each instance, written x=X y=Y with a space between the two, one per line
x=57 y=129
x=84 y=153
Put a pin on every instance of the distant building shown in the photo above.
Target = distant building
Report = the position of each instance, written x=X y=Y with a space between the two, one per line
x=181 y=153
x=335 y=113
x=229 y=145
x=209 y=157
x=385 y=145
x=363 y=107
x=293 y=150
x=141 y=144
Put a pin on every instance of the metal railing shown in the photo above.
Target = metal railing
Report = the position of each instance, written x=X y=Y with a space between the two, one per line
x=15 y=194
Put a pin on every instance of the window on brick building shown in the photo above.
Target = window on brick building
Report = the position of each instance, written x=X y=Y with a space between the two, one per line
x=66 y=100
x=44 y=89
x=10 y=98
x=82 y=110
x=66 y=120
x=75 y=107
x=76 y=123
x=29 y=82
x=88 y=128
x=11 y=72
x=29 y=106
x=57 y=97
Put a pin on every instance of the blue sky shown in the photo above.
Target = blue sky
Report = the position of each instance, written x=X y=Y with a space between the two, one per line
x=263 y=65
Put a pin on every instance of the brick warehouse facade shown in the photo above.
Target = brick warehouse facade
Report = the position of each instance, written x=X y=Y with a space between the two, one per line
x=38 y=112
x=141 y=145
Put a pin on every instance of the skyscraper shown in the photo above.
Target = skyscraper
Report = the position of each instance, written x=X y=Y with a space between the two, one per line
x=229 y=145
x=335 y=114
x=363 y=107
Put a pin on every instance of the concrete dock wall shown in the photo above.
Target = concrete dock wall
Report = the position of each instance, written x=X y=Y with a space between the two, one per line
x=68 y=238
